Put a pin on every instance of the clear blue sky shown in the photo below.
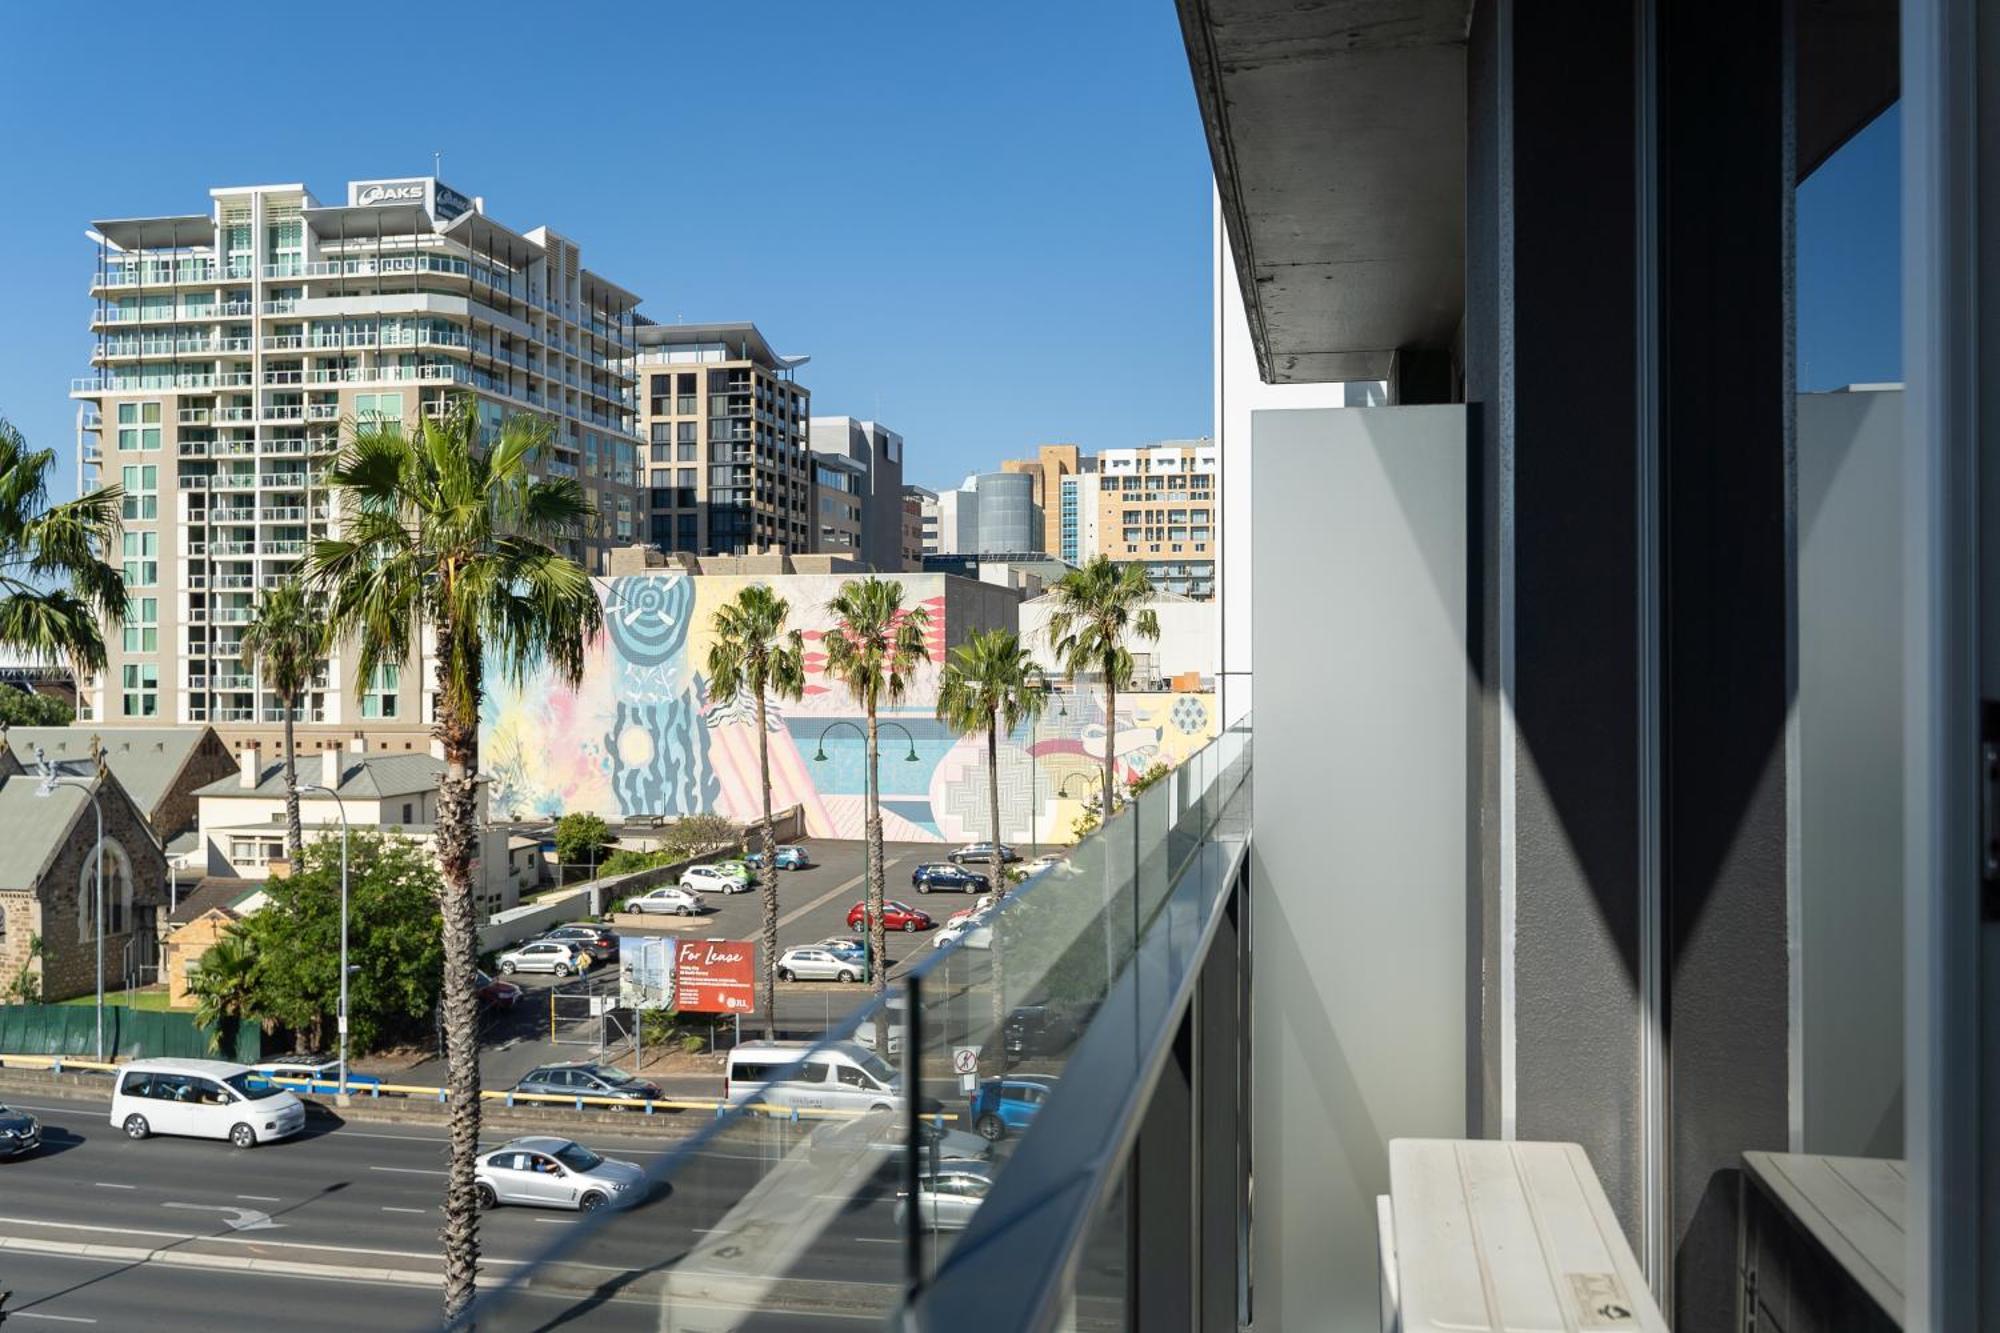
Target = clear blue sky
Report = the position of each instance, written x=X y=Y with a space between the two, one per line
x=1849 y=239
x=988 y=224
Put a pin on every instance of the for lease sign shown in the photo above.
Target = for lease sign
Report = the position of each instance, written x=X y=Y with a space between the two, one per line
x=715 y=976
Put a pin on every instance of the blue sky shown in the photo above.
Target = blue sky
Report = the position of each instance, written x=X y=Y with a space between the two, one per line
x=988 y=224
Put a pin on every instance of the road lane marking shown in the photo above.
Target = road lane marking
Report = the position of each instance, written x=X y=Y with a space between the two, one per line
x=108 y=1185
x=419 y=1211
x=557 y=1221
x=240 y=1219
x=876 y=1240
x=59 y=1318
x=265 y=1242
x=260 y=1198
x=411 y=1170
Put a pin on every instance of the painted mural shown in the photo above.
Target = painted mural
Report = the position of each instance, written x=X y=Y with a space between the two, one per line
x=643 y=736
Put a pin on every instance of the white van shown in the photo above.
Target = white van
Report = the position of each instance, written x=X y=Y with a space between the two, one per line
x=839 y=1076
x=206 y=1099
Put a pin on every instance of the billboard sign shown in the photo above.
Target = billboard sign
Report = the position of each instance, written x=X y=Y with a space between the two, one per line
x=715 y=976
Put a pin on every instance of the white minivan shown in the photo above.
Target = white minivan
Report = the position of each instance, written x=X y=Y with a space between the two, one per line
x=206 y=1099
x=838 y=1076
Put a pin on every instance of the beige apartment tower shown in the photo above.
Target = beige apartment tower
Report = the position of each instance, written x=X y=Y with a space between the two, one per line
x=235 y=347
x=724 y=420
x=1051 y=463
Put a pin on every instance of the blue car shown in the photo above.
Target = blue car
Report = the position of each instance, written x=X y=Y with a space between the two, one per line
x=945 y=875
x=786 y=858
x=1006 y=1105
x=316 y=1074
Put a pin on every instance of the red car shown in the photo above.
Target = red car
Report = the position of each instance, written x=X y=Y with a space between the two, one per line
x=895 y=916
x=496 y=994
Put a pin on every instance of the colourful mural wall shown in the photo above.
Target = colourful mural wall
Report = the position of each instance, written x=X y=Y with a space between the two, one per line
x=642 y=735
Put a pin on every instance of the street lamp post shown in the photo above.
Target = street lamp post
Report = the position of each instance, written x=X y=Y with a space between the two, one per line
x=50 y=781
x=340 y=1098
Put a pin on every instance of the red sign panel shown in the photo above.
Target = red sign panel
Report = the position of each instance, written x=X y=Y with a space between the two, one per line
x=715 y=976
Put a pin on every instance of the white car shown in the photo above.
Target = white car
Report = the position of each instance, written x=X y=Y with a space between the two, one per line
x=205 y=1099
x=709 y=879
x=975 y=931
x=556 y=1173
x=806 y=963
x=669 y=898
x=542 y=956
x=948 y=1197
x=1039 y=864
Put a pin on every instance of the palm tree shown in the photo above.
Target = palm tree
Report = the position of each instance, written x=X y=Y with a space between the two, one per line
x=225 y=987
x=1097 y=606
x=442 y=535
x=991 y=684
x=284 y=642
x=873 y=648
x=57 y=591
x=753 y=651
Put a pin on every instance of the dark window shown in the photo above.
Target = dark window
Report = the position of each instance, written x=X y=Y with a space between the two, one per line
x=687 y=383
x=660 y=384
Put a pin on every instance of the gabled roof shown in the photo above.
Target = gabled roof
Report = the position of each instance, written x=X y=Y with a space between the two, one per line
x=218 y=893
x=147 y=760
x=368 y=777
x=35 y=828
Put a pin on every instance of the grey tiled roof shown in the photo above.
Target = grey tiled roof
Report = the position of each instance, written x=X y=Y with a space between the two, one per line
x=363 y=777
x=146 y=759
x=33 y=828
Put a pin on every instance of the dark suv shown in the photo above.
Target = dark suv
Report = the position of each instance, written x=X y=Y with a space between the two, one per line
x=944 y=875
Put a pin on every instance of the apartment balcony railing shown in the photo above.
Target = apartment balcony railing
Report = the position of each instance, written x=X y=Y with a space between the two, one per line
x=1063 y=1028
x=154 y=276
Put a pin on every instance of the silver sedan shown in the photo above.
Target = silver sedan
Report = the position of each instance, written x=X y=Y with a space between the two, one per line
x=543 y=1172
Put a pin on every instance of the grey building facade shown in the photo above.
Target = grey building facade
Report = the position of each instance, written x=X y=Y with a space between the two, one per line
x=879 y=451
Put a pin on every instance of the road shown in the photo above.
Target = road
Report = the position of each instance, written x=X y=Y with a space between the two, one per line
x=357 y=1207
x=812 y=904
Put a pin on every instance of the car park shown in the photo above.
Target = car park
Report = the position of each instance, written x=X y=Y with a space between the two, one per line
x=670 y=899
x=543 y=1172
x=1004 y=1106
x=946 y=875
x=948 y=1197
x=211 y=1099
x=317 y=1073
x=895 y=916
x=806 y=963
x=599 y=943
x=589 y=1080
x=713 y=879
x=496 y=994
x=983 y=851
x=20 y=1133
x=544 y=956
x=785 y=858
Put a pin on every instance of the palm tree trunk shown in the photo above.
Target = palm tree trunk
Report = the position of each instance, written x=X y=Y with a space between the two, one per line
x=767 y=871
x=1110 y=745
x=878 y=941
x=294 y=833
x=999 y=864
x=456 y=818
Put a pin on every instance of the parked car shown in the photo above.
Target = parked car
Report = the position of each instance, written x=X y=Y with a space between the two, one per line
x=895 y=916
x=495 y=994
x=544 y=956
x=737 y=867
x=946 y=875
x=599 y=943
x=668 y=898
x=319 y=1074
x=948 y=1197
x=1041 y=863
x=713 y=879
x=544 y=1172
x=974 y=931
x=852 y=945
x=1041 y=1029
x=806 y=963
x=20 y=1133
x=785 y=858
x=980 y=907
x=204 y=1099
x=589 y=1080
x=1004 y=1106
x=983 y=851
x=883 y=1133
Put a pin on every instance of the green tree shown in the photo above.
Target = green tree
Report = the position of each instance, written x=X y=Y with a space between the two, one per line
x=57 y=591
x=452 y=534
x=691 y=835
x=754 y=653
x=394 y=940
x=580 y=838
x=284 y=643
x=990 y=684
x=224 y=984
x=873 y=647
x=1097 y=608
x=20 y=708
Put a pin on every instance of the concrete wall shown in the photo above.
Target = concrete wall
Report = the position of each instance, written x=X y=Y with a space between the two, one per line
x=1359 y=866
x=1848 y=1011
x=1187 y=639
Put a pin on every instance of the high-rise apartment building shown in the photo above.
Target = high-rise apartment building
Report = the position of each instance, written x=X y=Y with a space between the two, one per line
x=234 y=345
x=840 y=486
x=723 y=417
x=879 y=452
x=1158 y=504
x=1050 y=465
x=919 y=523
x=1076 y=515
